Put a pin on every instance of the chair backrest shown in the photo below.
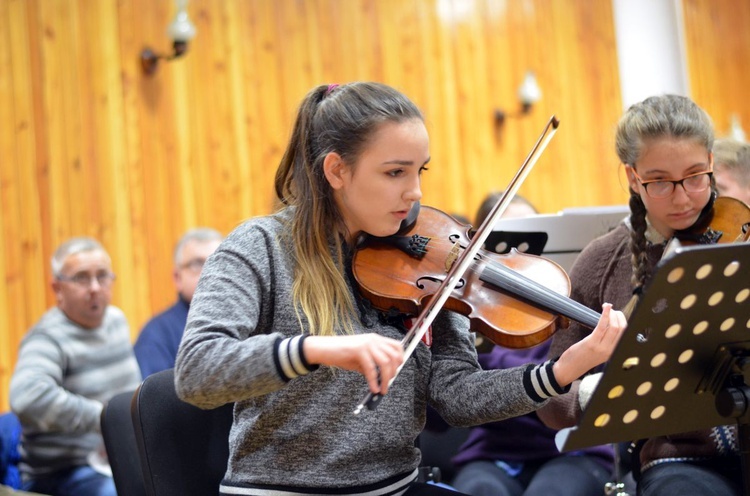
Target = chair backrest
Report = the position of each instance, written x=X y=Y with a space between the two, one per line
x=183 y=449
x=122 y=451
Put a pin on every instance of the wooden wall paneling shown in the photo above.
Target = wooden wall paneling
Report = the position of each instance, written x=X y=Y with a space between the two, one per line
x=103 y=107
x=27 y=265
x=496 y=168
x=135 y=273
x=597 y=120
x=213 y=95
x=183 y=170
x=396 y=41
x=331 y=24
x=717 y=50
x=62 y=61
x=573 y=173
x=299 y=44
x=238 y=111
x=512 y=33
x=151 y=143
x=41 y=160
x=556 y=71
x=468 y=100
x=272 y=119
x=252 y=140
x=87 y=144
x=441 y=109
x=11 y=277
x=358 y=34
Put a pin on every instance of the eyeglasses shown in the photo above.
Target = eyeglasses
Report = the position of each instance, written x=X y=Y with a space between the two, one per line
x=86 y=280
x=194 y=265
x=661 y=188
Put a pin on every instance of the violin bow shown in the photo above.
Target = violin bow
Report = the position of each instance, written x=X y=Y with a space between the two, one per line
x=464 y=260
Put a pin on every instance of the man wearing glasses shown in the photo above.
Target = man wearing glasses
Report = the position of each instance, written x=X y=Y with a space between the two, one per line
x=732 y=173
x=71 y=362
x=156 y=347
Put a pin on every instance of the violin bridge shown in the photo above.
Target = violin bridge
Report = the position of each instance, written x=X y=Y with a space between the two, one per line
x=452 y=257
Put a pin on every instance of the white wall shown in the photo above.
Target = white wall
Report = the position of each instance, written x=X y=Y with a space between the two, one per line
x=650 y=48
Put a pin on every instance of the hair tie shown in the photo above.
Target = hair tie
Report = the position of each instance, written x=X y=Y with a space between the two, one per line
x=331 y=87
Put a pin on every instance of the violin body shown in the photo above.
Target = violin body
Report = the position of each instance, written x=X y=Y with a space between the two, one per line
x=728 y=222
x=731 y=218
x=392 y=278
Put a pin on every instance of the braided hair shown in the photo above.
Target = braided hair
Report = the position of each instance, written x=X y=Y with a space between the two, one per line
x=664 y=116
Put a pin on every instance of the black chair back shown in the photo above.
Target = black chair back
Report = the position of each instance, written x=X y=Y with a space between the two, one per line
x=122 y=451
x=183 y=449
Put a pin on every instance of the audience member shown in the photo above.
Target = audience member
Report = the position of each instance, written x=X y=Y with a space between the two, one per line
x=277 y=327
x=518 y=207
x=518 y=456
x=70 y=363
x=156 y=346
x=665 y=146
x=732 y=169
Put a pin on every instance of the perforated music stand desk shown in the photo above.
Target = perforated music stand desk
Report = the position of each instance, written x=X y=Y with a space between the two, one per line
x=685 y=339
x=502 y=242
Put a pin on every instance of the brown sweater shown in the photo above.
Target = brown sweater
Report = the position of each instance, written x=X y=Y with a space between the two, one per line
x=602 y=274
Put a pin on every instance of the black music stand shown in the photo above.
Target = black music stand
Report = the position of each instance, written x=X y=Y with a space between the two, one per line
x=526 y=242
x=683 y=363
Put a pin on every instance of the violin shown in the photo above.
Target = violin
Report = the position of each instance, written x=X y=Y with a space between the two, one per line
x=516 y=300
x=728 y=222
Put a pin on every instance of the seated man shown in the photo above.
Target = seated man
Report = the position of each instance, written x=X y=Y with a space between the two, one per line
x=70 y=363
x=732 y=169
x=156 y=347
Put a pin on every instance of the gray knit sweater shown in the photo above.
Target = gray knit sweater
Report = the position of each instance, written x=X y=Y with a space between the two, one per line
x=63 y=376
x=294 y=427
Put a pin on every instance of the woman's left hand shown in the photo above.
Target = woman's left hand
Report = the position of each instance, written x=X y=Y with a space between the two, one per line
x=593 y=350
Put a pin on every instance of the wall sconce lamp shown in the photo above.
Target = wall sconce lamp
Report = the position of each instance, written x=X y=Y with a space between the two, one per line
x=180 y=30
x=528 y=94
x=735 y=128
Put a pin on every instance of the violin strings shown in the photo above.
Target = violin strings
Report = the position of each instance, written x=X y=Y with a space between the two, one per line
x=521 y=286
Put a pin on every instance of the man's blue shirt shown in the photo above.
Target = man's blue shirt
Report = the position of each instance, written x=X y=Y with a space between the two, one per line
x=156 y=347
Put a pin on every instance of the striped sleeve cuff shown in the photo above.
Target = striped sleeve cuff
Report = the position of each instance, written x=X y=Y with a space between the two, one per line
x=540 y=382
x=290 y=359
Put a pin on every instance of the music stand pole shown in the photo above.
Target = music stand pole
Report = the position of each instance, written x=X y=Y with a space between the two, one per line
x=733 y=401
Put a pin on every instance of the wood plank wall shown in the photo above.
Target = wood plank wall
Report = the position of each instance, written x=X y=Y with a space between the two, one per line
x=91 y=146
x=718 y=56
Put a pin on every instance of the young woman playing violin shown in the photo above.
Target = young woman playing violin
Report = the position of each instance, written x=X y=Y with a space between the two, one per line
x=277 y=327
x=665 y=145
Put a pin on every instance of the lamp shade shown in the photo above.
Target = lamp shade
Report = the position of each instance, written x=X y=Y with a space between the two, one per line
x=181 y=29
x=529 y=91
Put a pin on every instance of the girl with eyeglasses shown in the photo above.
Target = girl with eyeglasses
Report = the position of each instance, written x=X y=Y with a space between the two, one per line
x=665 y=145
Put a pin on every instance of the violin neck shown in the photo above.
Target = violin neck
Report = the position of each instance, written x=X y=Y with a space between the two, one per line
x=538 y=295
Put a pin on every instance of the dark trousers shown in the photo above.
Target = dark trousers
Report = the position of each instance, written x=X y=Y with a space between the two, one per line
x=424 y=489
x=561 y=476
x=721 y=477
x=78 y=481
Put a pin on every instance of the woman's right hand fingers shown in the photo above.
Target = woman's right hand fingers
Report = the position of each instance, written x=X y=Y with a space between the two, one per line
x=376 y=357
